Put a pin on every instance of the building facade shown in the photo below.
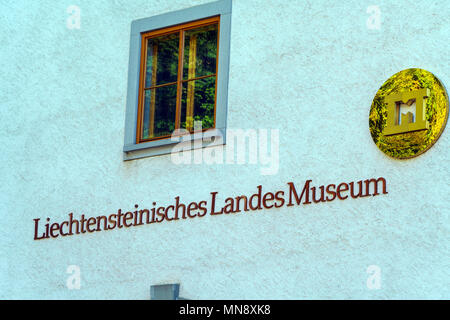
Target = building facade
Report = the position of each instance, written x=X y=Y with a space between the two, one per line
x=286 y=196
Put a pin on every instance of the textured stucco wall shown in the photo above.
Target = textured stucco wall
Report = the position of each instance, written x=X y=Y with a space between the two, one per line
x=308 y=68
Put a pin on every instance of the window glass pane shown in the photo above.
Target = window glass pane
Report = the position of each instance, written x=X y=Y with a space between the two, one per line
x=159 y=112
x=200 y=52
x=197 y=103
x=162 y=60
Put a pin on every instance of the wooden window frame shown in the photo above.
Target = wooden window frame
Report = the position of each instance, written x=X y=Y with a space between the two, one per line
x=180 y=29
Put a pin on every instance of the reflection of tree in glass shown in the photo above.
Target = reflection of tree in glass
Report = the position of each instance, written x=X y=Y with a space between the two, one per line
x=205 y=41
x=165 y=112
x=204 y=101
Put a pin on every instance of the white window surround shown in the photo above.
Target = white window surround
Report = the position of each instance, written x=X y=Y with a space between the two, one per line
x=133 y=150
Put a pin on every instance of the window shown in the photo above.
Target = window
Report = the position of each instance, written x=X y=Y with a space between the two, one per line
x=178 y=75
x=178 y=79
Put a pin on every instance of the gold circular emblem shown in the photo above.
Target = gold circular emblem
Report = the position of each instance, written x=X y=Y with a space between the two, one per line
x=408 y=114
